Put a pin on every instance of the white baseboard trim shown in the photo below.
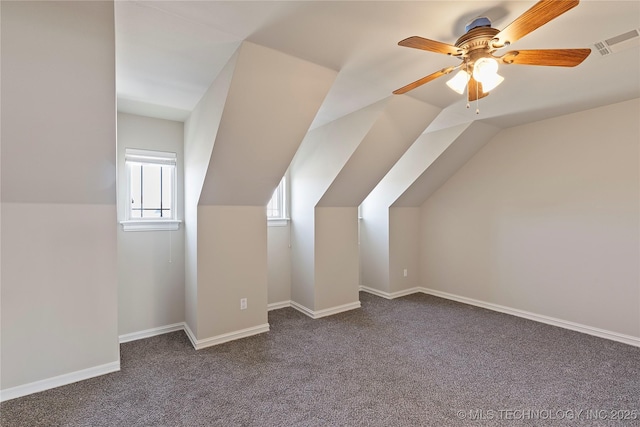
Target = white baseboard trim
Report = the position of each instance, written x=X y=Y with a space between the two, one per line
x=148 y=333
x=60 y=380
x=590 y=330
x=220 y=339
x=389 y=295
x=376 y=292
x=278 y=305
x=190 y=335
x=325 y=312
x=302 y=309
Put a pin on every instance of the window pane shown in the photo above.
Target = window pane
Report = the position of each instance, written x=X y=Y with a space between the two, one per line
x=151 y=186
x=275 y=208
x=135 y=191
x=151 y=191
x=167 y=190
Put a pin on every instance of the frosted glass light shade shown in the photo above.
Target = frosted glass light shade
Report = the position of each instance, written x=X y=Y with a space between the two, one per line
x=484 y=69
x=459 y=81
x=492 y=82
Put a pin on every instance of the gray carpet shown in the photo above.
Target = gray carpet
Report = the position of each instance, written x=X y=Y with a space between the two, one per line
x=413 y=361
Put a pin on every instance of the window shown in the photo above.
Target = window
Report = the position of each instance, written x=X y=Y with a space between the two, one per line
x=277 y=207
x=151 y=190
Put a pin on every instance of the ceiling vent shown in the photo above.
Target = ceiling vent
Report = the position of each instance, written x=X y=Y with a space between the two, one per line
x=618 y=43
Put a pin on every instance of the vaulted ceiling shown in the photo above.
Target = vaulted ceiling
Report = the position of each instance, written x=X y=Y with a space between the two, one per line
x=169 y=52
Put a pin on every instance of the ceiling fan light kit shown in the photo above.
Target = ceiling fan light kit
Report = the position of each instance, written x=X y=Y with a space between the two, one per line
x=485 y=71
x=459 y=82
x=478 y=72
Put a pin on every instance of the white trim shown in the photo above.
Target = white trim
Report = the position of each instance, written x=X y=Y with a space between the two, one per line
x=337 y=309
x=220 y=339
x=151 y=225
x=388 y=295
x=278 y=305
x=302 y=309
x=376 y=292
x=58 y=381
x=590 y=330
x=136 y=155
x=325 y=312
x=190 y=335
x=148 y=333
x=277 y=222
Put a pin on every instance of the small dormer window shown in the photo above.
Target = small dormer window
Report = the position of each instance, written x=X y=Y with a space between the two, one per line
x=277 y=212
x=151 y=190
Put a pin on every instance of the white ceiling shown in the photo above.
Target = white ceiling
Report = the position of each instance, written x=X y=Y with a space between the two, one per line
x=169 y=52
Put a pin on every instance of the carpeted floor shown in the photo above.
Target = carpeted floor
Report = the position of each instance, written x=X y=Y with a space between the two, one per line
x=413 y=361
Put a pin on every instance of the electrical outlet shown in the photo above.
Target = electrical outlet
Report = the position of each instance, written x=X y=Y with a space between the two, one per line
x=406 y=273
x=243 y=304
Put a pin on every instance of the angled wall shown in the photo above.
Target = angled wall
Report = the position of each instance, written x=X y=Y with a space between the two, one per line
x=321 y=156
x=200 y=130
x=59 y=284
x=342 y=168
x=374 y=225
x=390 y=220
x=270 y=102
x=544 y=220
x=455 y=155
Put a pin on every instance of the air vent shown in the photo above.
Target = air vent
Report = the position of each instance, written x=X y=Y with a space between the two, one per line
x=618 y=43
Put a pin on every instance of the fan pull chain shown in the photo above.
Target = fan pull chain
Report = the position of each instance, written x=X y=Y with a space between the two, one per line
x=478 y=98
x=467 y=86
x=467 y=92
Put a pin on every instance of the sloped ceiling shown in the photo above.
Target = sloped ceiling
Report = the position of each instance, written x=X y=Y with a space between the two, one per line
x=464 y=146
x=401 y=122
x=169 y=52
x=271 y=102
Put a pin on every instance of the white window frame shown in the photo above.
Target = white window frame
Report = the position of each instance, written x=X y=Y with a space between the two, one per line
x=282 y=192
x=149 y=157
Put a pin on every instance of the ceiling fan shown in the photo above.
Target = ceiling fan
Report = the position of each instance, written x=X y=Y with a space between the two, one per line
x=478 y=70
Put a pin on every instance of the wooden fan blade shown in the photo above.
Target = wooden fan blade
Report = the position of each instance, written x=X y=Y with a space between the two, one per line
x=474 y=90
x=549 y=57
x=417 y=42
x=423 y=80
x=541 y=13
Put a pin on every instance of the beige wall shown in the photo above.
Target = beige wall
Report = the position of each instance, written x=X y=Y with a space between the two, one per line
x=279 y=263
x=59 y=290
x=59 y=283
x=232 y=264
x=322 y=154
x=337 y=166
x=545 y=218
x=270 y=100
x=337 y=272
x=374 y=245
x=150 y=263
x=404 y=248
x=388 y=234
x=200 y=131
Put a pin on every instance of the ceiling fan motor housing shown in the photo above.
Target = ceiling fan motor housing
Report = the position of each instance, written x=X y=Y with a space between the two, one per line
x=475 y=43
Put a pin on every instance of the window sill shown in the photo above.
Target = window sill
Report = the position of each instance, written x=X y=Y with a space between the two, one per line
x=150 y=225
x=278 y=222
